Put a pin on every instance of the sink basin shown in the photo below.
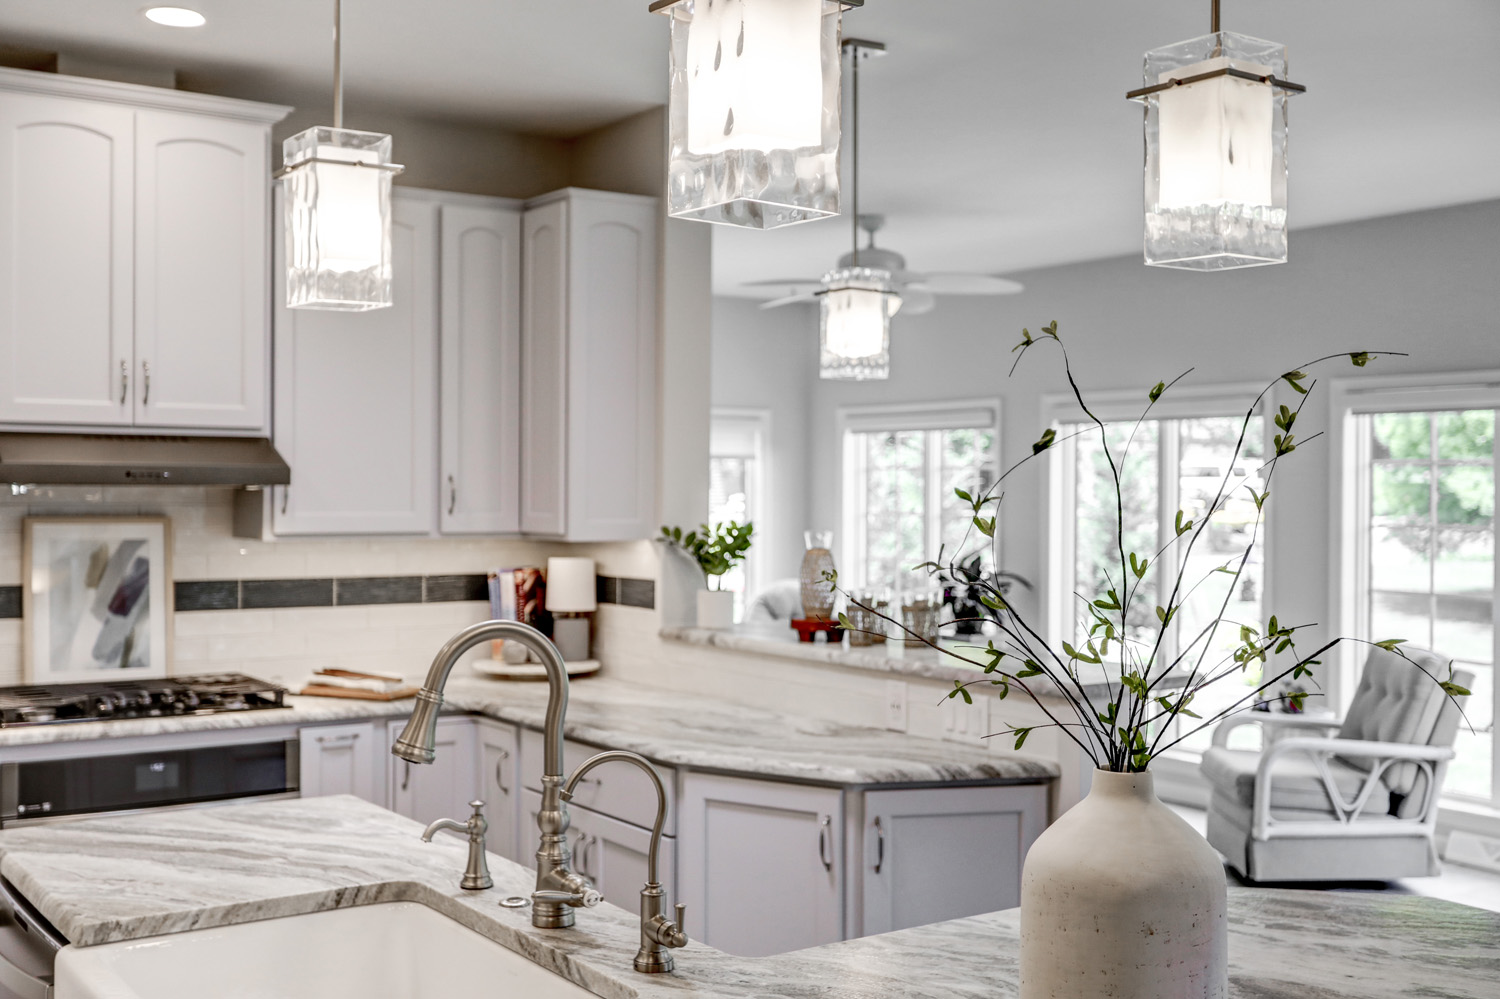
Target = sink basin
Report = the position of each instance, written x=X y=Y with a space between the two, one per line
x=400 y=950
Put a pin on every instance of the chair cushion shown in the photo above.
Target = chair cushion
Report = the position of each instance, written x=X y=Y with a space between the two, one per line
x=1295 y=782
x=1397 y=701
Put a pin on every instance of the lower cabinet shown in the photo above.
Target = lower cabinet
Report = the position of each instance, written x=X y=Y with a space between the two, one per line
x=614 y=855
x=442 y=788
x=760 y=864
x=341 y=759
x=932 y=854
x=499 y=769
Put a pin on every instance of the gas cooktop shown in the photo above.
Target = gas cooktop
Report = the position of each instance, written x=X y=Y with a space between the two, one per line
x=179 y=695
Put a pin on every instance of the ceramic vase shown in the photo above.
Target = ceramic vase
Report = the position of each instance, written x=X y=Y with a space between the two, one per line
x=715 y=609
x=1121 y=898
x=817 y=562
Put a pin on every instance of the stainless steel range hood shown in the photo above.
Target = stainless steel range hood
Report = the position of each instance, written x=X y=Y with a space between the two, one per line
x=120 y=460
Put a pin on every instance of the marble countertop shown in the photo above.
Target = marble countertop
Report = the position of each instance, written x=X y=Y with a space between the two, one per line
x=132 y=876
x=667 y=727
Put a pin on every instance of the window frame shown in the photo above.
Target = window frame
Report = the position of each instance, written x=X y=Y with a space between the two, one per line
x=956 y=414
x=757 y=422
x=1350 y=400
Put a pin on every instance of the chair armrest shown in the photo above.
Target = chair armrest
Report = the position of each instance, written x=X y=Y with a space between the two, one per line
x=1354 y=747
x=1270 y=720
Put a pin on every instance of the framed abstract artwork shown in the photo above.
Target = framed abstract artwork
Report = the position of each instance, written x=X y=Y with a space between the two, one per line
x=96 y=598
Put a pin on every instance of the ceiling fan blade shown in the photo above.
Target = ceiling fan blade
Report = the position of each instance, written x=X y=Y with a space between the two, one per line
x=916 y=301
x=968 y=284
x=776 y=303
x=789 y=285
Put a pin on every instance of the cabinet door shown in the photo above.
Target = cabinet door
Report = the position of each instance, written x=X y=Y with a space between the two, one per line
x=611 y=357
x=614 y=855
x=340 y=759
x=499 y=772
x=946 y=853
x=761 y=864
x=202 y=272
x=66 y=260
x=544 y=359
x=442 y=788
x=481 y=376
x=356 y=400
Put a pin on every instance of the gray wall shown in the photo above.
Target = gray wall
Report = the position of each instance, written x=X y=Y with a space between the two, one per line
x=1427 y=283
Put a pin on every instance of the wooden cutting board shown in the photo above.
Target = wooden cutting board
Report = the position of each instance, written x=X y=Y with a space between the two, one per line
x=319 y=690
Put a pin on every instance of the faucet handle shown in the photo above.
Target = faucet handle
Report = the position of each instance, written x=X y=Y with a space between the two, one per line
x=588 y=898
x=681 y=908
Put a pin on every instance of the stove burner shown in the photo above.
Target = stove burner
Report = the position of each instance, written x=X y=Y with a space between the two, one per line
x=182 y=695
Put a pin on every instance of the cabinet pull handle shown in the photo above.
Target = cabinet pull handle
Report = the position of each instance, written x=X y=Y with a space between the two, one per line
x=879 y=846
x=286 y=492
x=452 y=495
x=581 y=849
x=406 y=776
x=146 y=371
x=124 y=382
x=825 y=842
x=338 y=740
x=500 y=771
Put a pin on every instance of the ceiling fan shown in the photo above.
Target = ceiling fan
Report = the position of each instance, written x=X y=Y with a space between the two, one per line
x=912 y=292
x=918 y=291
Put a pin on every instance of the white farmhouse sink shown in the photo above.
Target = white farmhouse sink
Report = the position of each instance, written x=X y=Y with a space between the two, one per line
x=395 y=950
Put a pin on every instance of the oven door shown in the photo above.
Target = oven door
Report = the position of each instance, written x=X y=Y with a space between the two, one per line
x=36 y=790
x=28 y=948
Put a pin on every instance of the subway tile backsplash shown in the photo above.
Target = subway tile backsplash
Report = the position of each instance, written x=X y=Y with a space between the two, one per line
x=281 y=609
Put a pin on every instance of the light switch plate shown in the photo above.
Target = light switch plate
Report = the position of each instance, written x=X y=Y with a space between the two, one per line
x=895 y=705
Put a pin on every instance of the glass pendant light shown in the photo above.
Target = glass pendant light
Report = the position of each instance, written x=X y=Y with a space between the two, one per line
x=857 y=302
x=1216 y=128
x=337 y=203
x=754 y=110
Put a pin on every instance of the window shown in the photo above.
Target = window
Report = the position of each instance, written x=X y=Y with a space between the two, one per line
x=901 y=467
x=1425 y=547
x=1174 y=463
x=737 y=463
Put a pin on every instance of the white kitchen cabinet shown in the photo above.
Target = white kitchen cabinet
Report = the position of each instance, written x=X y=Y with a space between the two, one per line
x=499 y=780
x=480 y=354
x=341 y=759
x=67 y=176
x=760 y=863
x=442 y=788
x=934 y=854
x=133 y=264
x=588 y=361
x=356 y=400
x=202 y=290
x=614 y=855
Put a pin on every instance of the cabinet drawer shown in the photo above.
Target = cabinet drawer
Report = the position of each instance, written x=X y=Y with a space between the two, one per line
x=618 y=790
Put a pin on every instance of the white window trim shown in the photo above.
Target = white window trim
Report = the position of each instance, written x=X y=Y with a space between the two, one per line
x=759 y=423
x=942 y=415
x=1349 y=398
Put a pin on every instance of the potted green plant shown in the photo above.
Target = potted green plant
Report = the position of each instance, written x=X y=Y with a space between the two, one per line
x=716 y=550
x=1120 y=897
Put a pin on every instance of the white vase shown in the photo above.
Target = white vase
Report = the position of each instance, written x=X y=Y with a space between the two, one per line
x=1121 y=898
x=715 y=609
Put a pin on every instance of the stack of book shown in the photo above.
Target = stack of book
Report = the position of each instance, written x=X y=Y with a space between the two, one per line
x=358 y=685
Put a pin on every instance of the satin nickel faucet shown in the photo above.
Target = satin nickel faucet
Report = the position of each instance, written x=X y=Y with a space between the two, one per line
x=658 y=933
x=477 y=873
x=559 y=890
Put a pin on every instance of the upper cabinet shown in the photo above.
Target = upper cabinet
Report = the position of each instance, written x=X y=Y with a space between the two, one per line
x=133 y=225
x=588 y=366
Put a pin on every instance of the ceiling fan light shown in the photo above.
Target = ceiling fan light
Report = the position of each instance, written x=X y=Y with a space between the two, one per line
x=754 y=110
x=855 y=312
x=1216 y=170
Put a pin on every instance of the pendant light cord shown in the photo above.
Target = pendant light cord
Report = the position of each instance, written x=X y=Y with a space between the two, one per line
x=1214 y=17
x=338 y=63
x=854 y=193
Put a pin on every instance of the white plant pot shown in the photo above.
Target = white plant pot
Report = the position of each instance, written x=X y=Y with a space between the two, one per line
x=715 y=609
x=1121 y=898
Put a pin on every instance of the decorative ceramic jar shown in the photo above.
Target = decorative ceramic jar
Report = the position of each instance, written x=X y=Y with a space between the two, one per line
x=1121 y=898
x=817 y=595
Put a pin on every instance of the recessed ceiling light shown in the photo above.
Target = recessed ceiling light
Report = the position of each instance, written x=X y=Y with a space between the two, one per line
x=176 y=17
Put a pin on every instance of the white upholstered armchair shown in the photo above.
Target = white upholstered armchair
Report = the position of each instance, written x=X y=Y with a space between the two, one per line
x=1350 y=800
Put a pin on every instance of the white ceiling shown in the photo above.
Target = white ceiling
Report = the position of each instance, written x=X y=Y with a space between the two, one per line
x=996 y=136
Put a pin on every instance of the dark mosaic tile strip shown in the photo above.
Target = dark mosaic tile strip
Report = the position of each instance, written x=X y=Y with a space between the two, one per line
x=10 y=601
x=449 y=589
x=606 y=589
x=207 y=594
x=257 y=593
x=378 y=590
x=638 y=593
